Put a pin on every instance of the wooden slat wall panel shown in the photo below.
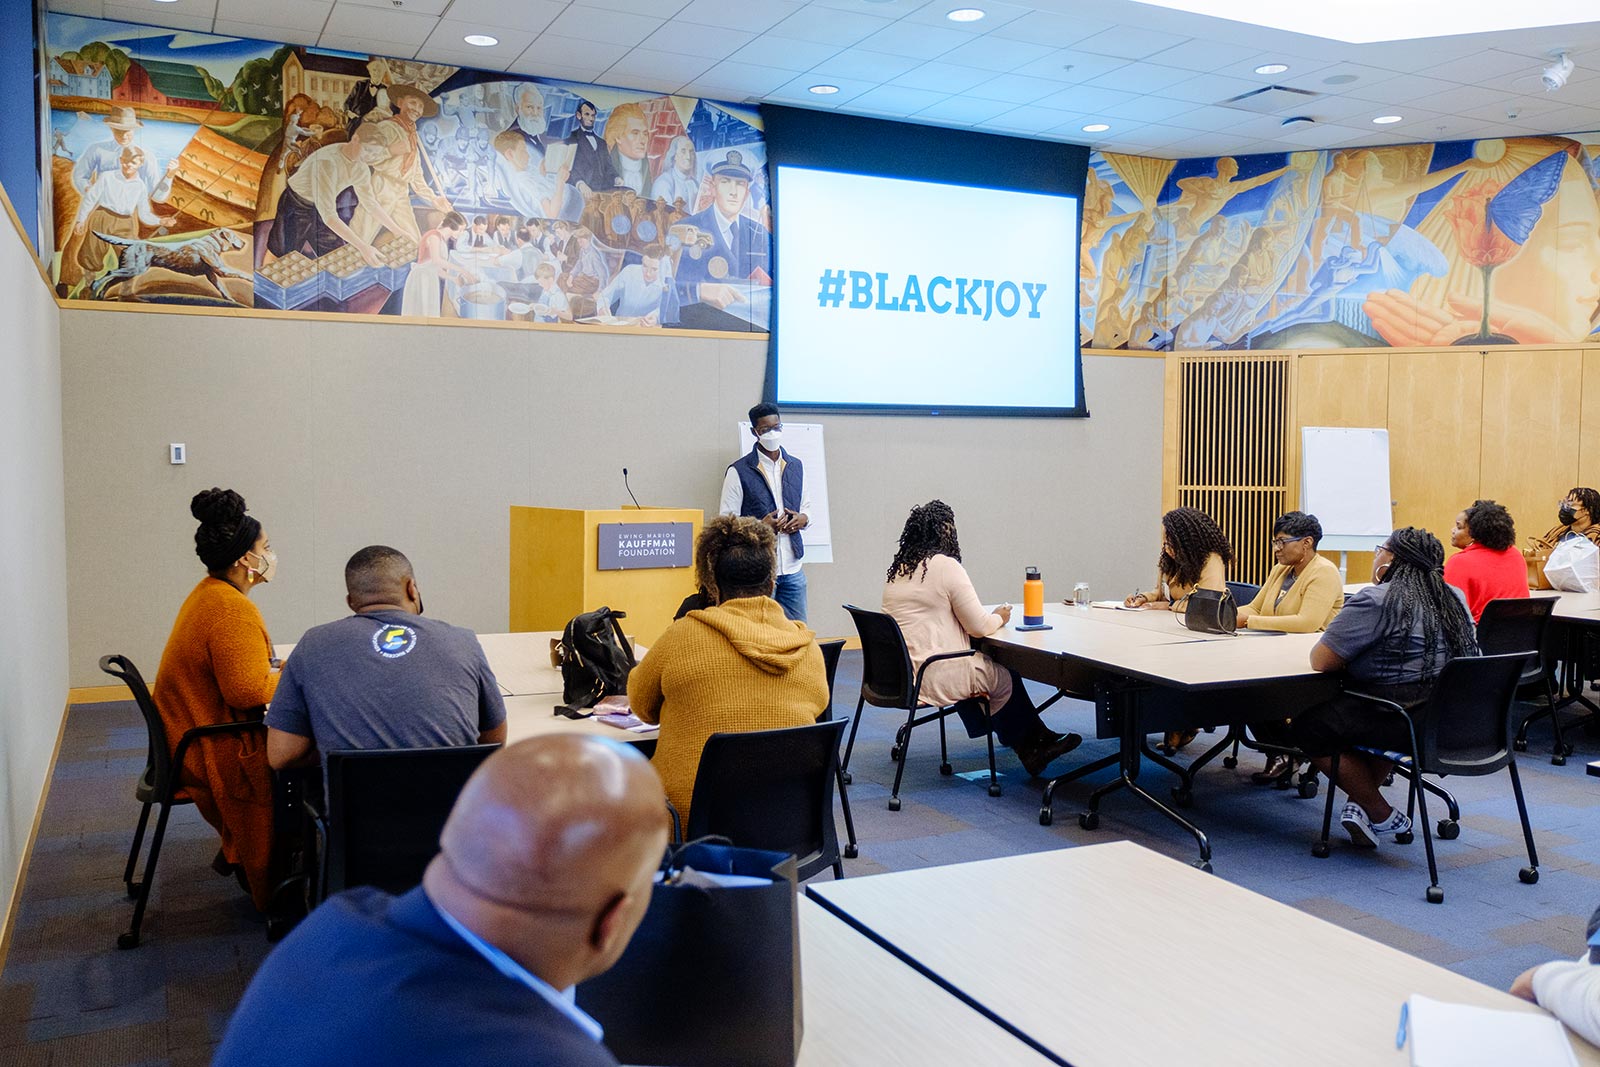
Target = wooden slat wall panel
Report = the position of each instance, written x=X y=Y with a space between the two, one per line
x=1589 y=424
x=1435 y=435
x=1532 y=405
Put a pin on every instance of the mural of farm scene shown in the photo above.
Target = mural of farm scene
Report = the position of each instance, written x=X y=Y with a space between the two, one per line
x=194 y=169
x=1467 y=242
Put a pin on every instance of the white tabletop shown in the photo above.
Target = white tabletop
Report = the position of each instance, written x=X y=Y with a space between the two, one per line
x=864 y=1006
x=1112 y=955
x=1159 y=619
x=1574 y=607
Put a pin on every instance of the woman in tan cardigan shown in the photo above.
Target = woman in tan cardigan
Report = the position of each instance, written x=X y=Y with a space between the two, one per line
x=931 y=597
x=737 y=665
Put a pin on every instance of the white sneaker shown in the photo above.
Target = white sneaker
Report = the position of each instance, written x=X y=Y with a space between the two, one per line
x=1359 y=827
x=1396 y=823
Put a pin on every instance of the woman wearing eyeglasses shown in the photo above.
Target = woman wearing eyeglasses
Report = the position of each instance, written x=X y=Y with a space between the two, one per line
x=1391 y=640
x=1301 y=595
x=1488 y=567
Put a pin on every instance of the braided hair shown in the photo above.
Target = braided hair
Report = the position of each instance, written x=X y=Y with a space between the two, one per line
x=735 y=556
x=1490 y=525
x=930 y=531
x=1590 y=499
x=1417 y=590
x=226 y=532
x=1193 y=536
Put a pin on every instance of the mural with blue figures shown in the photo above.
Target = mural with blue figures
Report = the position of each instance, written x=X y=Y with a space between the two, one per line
x=199 y=169
x=1493 y=241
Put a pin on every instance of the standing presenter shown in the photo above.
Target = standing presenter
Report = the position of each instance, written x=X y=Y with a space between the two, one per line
x=769 y=484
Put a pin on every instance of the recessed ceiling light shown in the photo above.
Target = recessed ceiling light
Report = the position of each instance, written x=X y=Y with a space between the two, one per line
x=482 y=40
x=1384 y=120
x=823 y=90
x=1367 y=21
x=965 y=14
x=1096 y=127
x=1272 y=68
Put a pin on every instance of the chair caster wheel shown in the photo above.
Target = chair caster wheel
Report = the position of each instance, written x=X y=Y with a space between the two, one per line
x=847 y=778
x=946 y=770
x=1046 y=816
x=895 y=751
x=894 y=803
x=1566 y=750
x=1529 y=875
x=994 y=789
x=1449 y=829
x=1320 y=850
x=1308 y=790
x=133 y=890
x=1204 y=865
x=851 y=852
x=1435 y=895
x=1089 y=820
x=128 y=940
x=1520 y=744
x=1229 y=762
x=1405 y=837
x=1182 y=797
x=1558 y=760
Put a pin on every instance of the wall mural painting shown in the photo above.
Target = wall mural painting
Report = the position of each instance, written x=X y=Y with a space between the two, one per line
x=194 y=169
x=1495 y=241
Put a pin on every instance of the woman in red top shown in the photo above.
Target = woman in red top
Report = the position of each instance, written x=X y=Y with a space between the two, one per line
x=1488 y=567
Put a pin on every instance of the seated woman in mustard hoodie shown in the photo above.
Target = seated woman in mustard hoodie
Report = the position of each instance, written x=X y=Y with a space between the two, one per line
x=737 y=665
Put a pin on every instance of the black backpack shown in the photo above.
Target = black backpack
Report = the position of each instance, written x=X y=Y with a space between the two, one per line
x=595 y=660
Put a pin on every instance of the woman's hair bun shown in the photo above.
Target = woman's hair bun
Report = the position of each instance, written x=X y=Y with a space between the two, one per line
x=217 y=507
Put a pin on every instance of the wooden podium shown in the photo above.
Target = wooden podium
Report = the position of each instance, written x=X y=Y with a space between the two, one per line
x=555 y=571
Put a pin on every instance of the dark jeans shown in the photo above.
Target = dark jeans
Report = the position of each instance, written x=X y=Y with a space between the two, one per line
x=1340 y=724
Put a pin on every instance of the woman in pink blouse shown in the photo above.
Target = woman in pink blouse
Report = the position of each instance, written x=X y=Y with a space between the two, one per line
x=931 y=597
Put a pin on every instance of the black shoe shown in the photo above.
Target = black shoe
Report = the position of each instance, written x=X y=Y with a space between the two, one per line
x=1279 y=768
x=221 y=865
x=1038 y=752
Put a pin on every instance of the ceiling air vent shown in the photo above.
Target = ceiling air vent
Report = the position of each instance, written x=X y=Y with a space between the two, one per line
x=1271 y=100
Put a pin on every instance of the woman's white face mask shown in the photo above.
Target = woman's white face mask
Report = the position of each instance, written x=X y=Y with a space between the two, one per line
x=268 y=568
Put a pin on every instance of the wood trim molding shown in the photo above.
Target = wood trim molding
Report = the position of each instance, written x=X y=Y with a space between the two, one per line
x=9 y=924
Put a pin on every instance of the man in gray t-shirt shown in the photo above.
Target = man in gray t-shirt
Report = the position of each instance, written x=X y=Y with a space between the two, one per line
x=385 y=677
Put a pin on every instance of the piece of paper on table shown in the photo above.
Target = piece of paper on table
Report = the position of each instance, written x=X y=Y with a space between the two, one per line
x=1108 y=604
x=1459 y=1035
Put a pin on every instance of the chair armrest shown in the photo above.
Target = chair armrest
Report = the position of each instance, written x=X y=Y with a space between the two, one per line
x=677 y=824
x=931 y=660
x=214 y=729
x=1389 y=705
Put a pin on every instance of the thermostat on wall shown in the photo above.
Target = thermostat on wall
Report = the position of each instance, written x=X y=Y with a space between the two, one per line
x=179 y=453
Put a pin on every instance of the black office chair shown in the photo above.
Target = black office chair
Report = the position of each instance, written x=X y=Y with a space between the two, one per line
x=887 y=682
x=771 y=789
x=159 y=783
x=1519 y=625
x=831 y=651
x=1468 y=722
x=386 y=808
x=1243 y=592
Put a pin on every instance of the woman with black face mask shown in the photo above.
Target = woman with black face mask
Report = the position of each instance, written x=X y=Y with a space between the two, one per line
x=1577 y=515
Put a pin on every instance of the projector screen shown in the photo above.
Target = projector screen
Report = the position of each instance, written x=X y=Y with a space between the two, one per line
x=921 y=270
x=916 y=294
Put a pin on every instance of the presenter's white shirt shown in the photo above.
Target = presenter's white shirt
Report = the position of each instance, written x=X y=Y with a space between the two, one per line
x=772 y=471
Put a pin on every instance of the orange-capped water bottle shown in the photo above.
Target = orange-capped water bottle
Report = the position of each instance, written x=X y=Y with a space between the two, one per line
x=1032 y=597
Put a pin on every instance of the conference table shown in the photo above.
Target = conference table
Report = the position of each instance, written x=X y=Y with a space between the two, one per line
x=1115 y=956
x=1147 y=674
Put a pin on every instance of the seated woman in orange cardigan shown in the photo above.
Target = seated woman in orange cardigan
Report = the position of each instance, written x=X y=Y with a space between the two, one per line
x=217 y=667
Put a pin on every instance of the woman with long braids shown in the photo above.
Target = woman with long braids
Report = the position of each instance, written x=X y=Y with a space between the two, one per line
x=932 y=598
x=1392 y=639
x=1195 y=554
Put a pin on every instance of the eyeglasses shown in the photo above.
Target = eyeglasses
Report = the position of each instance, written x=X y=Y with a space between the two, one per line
x=1281 y=542
x=1381 y=547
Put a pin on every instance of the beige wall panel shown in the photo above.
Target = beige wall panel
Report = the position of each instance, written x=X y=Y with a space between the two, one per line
x=1435 y=426
x=1531 y=406
x=1589 y=426
x=344 y=434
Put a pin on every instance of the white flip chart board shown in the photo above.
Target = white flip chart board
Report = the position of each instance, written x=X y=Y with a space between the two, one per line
x=803 y=441
x=1344 y=482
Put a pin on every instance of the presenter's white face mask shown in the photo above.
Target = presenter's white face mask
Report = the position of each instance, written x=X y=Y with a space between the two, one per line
x=269 y=566
x=771 y=440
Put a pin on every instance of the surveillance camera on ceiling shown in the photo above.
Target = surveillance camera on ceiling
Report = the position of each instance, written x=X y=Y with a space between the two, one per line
x=1557 y=73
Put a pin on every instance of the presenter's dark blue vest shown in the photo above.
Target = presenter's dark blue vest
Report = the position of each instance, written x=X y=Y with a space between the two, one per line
x=758 y=502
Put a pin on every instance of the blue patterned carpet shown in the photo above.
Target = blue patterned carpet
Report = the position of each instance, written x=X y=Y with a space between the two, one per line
x=70 y=998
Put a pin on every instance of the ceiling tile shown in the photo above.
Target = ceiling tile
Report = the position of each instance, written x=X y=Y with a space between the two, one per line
x=658 y=9
x=290 y=14
x=92 y=9
x=646 y=83
x=163 y=16
x=1317 y=135
x=1402 y=87
x=828 y=26
x=1069 y=65
x=1209 y=89
x=709 y=42
x=1041 y=27
x=1475 y=68
x=352 y=20
x=1204 y=56
x=895 y=98
x=272 y=34
x=995 y=15
x=964 y=111
x=918 y=42
x=664 y=67
x=471 y=58
x=1318 y=80
x=942 y=76
x=891 y=9
x=1032 y=119
x=1340 y=108
x=751 y=16
x=1141 y=78
x=416 y=7
x=529 y=16
x=607 y=27
x=448 y=37
x=1150 y=109
x=799 y=90
x=1120 y=42
x=1459 y=99
x=747 y=77
x=997 y=53
x=361 y=46
x=553 y=51
x=1084 y=99
x=1210 y=119
x=1014 y=89
x=784 y=53
x=1572 y=120
x=572 y=71
x=867 y=66
x=1496 y=112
